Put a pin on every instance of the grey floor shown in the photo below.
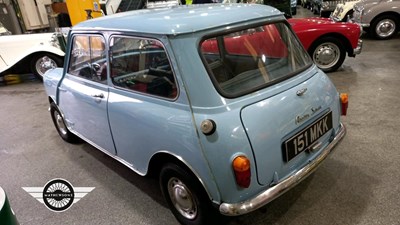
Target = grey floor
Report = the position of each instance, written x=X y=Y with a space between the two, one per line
x=358 y=184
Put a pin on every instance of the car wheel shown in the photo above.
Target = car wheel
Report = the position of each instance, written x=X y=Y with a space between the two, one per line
x=384 y=27
x=186 y=197
x=328 y=53
x=42 y=62
x=59 y=123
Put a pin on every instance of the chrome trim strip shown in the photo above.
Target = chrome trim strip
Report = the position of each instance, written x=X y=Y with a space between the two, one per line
x=236 y=209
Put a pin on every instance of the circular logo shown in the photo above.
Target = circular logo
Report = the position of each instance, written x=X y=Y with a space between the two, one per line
x=58 y=195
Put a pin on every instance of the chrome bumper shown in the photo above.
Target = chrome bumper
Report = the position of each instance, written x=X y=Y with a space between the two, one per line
x=236 y=209
x=358 y=49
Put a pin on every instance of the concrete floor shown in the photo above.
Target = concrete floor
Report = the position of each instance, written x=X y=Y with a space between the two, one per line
x=358 y=184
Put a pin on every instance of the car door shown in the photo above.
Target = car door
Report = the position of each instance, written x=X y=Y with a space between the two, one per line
x=145 y=113
x=83 y=93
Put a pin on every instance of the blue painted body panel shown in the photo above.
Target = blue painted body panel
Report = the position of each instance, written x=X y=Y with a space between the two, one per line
x=134 y=127
x=51 y=80
x=179 y=20
x=85 y=114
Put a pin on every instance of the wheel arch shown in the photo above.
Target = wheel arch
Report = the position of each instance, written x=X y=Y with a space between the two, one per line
x=159 y=159
x=51 y=100
x=388 y=13
x=20 y=66
x=51 y=54
x=346 y=43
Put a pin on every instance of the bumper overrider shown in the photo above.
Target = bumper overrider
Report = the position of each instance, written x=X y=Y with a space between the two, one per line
x=236 y=209
x=358 y=49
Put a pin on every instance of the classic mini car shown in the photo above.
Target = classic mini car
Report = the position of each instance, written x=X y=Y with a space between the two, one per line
x=7 y=215
x=328 y=42
x=226 y=126
x=380 y=18
x=344 y=11
x=29 y=53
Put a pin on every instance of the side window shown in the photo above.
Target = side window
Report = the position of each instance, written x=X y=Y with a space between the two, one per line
x=141 y=65
x=88 y=58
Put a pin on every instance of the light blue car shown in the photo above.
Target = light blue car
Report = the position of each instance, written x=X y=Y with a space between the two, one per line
x=221 y=101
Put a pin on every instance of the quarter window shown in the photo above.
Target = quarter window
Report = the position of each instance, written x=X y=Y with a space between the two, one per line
x=88 y=58
x=141 y=65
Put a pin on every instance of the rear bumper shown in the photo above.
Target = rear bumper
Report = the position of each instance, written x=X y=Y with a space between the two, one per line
x=236 y=209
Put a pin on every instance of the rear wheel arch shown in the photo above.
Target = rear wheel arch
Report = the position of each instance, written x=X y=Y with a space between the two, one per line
x=183 y=190
x=163 y=158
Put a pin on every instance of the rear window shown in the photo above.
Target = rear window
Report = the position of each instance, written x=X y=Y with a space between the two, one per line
x=250 y=59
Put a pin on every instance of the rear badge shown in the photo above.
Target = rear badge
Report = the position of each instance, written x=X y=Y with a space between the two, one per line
x=302 y=118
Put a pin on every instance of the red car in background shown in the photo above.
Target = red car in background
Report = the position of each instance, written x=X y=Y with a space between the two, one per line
x=326 y=41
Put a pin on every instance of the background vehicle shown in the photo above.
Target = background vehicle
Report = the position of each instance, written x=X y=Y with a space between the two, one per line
x=344 y=11
x=380 y=18
x=293 y=7
x=327 y=41
x=35 y=53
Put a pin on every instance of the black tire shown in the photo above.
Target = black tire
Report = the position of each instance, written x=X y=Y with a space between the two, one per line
x=328 y=53
x=59 y=123
x=385 y=27
x=42 y=62
x=194 y=206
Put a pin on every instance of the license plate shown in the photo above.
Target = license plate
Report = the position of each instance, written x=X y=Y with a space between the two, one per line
x=302 y=140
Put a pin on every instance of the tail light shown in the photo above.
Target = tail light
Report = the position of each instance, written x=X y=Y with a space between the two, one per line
x=241 y=167
x=344 y=100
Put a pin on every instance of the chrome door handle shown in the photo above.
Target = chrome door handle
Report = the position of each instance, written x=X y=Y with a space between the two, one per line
x=98 y=95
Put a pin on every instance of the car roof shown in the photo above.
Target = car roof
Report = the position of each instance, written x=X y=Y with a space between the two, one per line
x=179 y=19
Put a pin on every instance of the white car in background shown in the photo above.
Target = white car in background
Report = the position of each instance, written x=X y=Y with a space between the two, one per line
x=30 y=53
x=344 y=11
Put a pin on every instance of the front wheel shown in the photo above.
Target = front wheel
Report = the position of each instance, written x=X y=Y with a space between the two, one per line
x=59 y=123
x=42 y=62
x=328 y=53
x=186 y=198
x=384 y=27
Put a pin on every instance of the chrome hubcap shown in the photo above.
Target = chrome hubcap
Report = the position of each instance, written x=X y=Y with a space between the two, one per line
x=182 y=198
x=326 y=55
x=385 y=28
x=60 y=123
x=43 y=64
